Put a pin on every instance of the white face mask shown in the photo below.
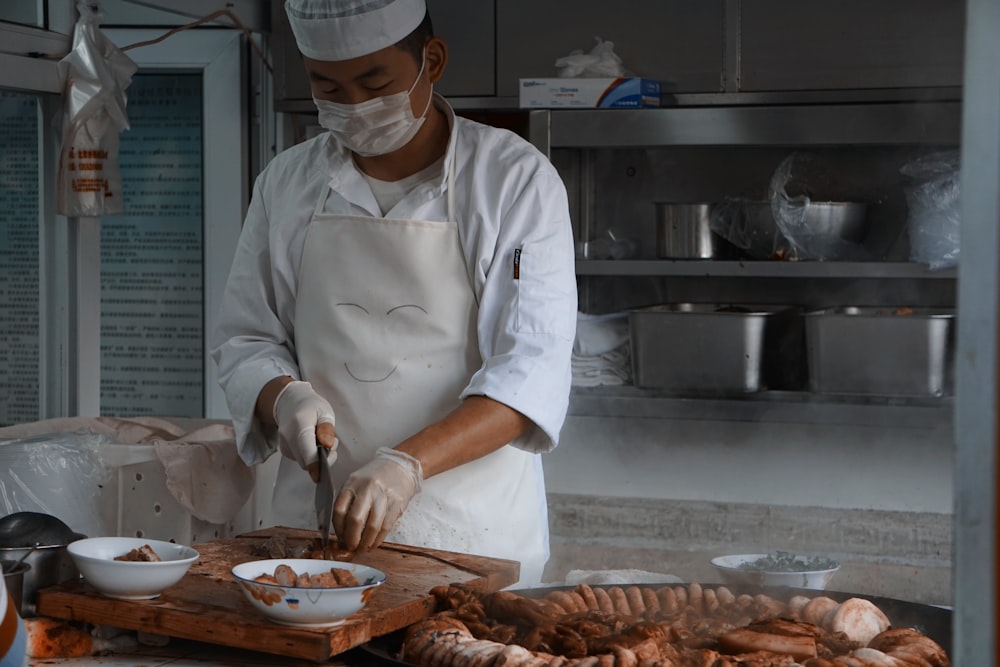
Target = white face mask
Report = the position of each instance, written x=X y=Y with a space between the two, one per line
x=377 y=126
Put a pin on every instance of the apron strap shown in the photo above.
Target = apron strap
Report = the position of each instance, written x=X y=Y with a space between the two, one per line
x=321 y=202
x=451 y=191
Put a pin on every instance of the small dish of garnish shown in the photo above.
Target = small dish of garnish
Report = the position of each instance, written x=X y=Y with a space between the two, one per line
x=781 y=568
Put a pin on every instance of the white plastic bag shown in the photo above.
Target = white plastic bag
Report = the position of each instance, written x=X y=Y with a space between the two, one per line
x=791 y=215
x=933 y=200
x=61 y=474
x=601 y=61
x=94 y=75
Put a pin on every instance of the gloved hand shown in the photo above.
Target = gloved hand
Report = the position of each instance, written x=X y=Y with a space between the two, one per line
x=374 y=498
x=299 y=413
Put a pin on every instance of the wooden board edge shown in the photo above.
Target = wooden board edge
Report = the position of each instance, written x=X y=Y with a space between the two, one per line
x=66 y=602
x=306 y=644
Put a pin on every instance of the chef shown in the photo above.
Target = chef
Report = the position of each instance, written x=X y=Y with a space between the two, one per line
x=403 y=292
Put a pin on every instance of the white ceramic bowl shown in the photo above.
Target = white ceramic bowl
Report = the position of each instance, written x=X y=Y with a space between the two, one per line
x=306 y=607
x=130 y=580
x=741 y=569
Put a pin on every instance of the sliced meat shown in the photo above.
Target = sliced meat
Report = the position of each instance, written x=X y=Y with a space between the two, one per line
x=859 y=619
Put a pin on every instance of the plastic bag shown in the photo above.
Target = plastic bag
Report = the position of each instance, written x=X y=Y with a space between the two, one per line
x=749 y=225
x=94 y=75
x=934 y=203
x=601 y=61
x=35 y=476
x=815 y=230
x=64 y=467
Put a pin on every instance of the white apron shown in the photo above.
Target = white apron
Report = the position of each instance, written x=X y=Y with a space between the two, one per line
x=385 y=329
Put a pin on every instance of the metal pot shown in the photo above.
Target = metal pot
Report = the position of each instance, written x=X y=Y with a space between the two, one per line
x=836 y=219
x=13 y=581
x=684 y=231
x=49 y=565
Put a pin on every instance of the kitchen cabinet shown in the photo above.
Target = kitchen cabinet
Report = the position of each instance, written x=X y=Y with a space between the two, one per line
x=683 y=42
x=737 y=46
x=794 y=45
x=617 y=163
x=470 y=32
x=898 y=48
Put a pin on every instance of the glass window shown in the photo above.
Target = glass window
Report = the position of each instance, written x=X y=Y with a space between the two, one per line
x=152 y=278
x=19 y=258
x=27 y=12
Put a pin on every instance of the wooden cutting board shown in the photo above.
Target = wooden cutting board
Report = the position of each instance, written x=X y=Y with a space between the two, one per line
x=208 y=606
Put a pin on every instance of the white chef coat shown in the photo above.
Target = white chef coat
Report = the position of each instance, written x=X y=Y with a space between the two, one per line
x=513 y=217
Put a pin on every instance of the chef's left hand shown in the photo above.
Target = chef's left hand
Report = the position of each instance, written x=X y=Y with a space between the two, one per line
x=374 y=498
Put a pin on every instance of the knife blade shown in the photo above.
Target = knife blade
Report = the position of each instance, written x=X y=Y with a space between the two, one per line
x=324 y=495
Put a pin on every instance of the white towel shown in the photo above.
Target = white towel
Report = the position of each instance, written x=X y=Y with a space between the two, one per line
x=204 y=472
x=610 y=369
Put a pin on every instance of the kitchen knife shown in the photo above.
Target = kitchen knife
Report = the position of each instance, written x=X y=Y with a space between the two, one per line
x=325 y=495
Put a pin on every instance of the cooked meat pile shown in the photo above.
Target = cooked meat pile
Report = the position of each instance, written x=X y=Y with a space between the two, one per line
x=286 y=576
x=143 y=554
x=671 y=626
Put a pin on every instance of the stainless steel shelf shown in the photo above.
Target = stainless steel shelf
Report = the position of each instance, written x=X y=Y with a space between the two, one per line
x=758 y=269
x=766 y=406
x=883 y=123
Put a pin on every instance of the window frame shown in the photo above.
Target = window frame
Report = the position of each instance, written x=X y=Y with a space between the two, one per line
x=69 y=256
x=39 y=76
x=218 y=55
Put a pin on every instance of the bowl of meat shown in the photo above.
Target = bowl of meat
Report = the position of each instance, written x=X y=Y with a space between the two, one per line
x=778 y=569
x=307 y=592
x=131 y=568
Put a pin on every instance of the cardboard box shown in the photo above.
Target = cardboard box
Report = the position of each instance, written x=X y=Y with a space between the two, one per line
x=589 y=93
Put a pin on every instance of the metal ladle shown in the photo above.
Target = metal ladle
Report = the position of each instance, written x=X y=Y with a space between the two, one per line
x=33 y=529
x=13 y=568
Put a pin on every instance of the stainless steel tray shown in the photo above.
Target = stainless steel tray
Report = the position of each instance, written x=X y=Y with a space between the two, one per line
x=717 y=349
x=880 y=351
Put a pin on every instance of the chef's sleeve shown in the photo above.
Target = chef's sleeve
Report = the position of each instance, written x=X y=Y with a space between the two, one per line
x=527 y=311
x=252 y=343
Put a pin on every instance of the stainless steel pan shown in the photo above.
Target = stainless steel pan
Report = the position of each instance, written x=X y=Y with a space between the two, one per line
x=935 y=622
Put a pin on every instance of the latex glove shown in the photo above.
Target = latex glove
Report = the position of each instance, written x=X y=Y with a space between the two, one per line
x=374 y=498
x=302 y=416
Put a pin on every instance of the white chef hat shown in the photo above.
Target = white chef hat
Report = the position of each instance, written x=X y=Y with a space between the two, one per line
x=345 y=29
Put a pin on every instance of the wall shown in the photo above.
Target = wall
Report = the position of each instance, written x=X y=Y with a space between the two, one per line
x=780 y=464
x=667 y=495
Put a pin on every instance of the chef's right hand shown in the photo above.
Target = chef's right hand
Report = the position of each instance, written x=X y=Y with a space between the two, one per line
x=304 y=418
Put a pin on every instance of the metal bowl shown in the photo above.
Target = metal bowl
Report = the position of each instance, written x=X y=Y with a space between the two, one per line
x=843 y=220
x=819 y=229
x=684 y=231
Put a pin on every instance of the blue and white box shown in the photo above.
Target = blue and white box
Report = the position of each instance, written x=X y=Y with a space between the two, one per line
x=589 y=93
